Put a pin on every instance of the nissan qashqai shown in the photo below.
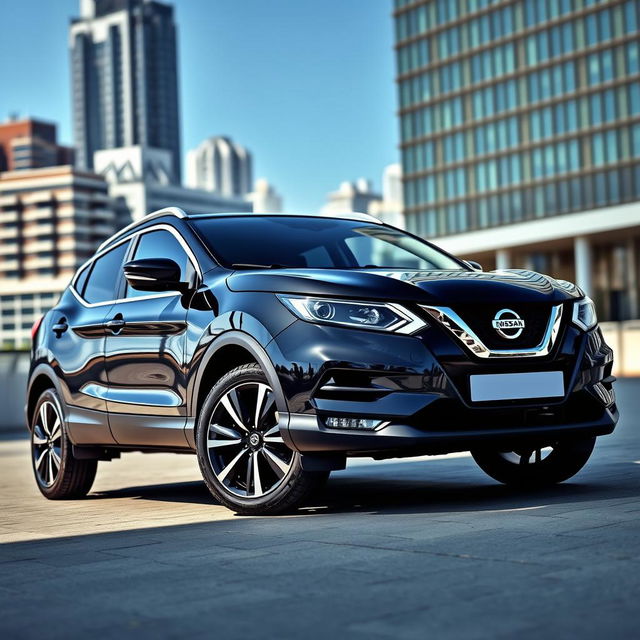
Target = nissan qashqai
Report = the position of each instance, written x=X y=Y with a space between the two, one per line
x=277 y=346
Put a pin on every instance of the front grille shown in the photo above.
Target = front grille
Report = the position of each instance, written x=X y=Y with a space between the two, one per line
x=479 y=317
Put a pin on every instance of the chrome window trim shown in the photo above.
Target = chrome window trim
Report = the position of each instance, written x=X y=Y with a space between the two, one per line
x=461 y=330
x=168 y=211
x=183 y=243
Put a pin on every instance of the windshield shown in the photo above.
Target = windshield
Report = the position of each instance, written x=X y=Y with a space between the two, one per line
x=315 y=242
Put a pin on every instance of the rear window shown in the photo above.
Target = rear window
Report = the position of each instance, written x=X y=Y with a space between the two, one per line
x=316 y=242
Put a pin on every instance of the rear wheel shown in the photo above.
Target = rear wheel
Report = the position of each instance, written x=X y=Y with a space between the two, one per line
x=243 y=458
x=58 y=474
x=535 y=466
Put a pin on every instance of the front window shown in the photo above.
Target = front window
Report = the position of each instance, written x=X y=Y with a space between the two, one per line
x=103 y=280
x=161 y=244
x=316 y=243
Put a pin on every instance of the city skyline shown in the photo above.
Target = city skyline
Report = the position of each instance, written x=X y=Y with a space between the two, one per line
x=346 y=88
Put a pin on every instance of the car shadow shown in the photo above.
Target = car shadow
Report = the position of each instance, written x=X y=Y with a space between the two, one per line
x=409 y=488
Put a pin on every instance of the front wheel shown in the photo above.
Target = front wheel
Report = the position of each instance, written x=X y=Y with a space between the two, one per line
x=244 y=461
x=533 y=467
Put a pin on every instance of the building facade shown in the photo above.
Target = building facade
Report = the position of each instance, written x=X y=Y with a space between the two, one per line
x=222 y=166
x=520 y=136
x=52 y=219
x=264 y=198
x=125 y=78
x=29 y=144
x=351 y=196
x=139 y=177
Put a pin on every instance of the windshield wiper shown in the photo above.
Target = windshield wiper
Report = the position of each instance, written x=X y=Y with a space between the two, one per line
x=248 y=265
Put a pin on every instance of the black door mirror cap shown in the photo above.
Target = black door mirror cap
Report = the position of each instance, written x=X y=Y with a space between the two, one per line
x=154 y=274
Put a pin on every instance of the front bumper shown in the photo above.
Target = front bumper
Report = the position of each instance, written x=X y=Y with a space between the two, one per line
x=307 y=435
x=419 y=385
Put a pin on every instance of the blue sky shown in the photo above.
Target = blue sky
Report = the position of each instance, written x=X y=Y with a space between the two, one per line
x=307 y=85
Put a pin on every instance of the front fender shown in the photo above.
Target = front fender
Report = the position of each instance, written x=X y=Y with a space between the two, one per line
x=241 y=339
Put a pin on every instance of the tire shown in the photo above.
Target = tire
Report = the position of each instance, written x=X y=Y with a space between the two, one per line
x=58 y=474
x=243 y=459
x=532 y=467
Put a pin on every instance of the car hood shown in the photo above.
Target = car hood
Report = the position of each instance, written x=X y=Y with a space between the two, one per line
x=427 y=287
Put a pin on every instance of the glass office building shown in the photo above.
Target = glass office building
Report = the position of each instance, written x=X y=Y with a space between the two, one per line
x=517 y=118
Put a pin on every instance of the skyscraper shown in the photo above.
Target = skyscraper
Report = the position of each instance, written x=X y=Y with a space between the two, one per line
x=220 y=165
x=520 y=136
x=124 y=72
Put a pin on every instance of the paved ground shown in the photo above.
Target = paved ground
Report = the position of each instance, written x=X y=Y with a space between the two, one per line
x=412 y=549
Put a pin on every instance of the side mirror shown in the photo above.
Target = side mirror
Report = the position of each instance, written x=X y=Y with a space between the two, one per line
x=476 y=266
x=154 y=274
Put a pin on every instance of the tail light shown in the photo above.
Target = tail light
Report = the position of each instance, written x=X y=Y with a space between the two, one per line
x=35 y=327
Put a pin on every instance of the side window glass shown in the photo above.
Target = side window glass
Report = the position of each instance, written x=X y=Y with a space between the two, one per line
x=81 y=280
x=105 y=275
x=161 y=244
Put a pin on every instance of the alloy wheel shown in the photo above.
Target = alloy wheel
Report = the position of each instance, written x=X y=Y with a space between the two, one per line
x=46 y=443
x=527 y=456
x=246 y=452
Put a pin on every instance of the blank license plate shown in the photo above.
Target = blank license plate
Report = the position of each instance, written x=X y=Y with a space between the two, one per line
x=517 y=386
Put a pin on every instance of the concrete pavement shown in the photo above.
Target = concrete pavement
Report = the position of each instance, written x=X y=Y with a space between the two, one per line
x=402 y=549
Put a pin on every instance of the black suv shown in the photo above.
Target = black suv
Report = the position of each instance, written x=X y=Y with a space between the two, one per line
x=276 y=346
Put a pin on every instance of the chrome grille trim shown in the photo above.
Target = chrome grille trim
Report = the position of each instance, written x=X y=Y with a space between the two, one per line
x=448 y=318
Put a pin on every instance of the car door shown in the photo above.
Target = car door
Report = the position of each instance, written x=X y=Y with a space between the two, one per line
x=144 y=351
x=79 y=343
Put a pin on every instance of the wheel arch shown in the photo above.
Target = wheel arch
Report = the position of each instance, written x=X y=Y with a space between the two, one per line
x=225 y=353
x=42 y=378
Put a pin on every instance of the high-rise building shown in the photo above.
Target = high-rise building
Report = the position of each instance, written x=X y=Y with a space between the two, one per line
x=220 y=165
x=124 y=73
x=29 y=144
x=52 y=219
x=520 y=136
x=264 y=198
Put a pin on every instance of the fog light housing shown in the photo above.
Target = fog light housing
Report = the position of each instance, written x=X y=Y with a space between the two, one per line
x=366 y=424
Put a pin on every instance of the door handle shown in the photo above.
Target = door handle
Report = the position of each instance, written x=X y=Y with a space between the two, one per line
x=116 y=324
x=60 y=327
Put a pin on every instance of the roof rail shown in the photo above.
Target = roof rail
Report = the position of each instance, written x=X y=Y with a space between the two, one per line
x=167 y=211
x=351 y=215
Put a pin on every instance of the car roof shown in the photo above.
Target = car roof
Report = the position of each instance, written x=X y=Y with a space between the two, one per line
x=179 y=213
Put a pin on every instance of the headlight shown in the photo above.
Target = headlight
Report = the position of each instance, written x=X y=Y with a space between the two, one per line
x=347 y=313
x=584 y=314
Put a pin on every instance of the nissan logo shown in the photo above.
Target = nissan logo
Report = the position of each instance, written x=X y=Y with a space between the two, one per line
x=508 y=324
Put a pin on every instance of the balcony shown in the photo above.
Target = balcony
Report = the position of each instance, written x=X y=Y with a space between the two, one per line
x=38 y=263
x=41 y=213
x=35 y=230
x=38 y=246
